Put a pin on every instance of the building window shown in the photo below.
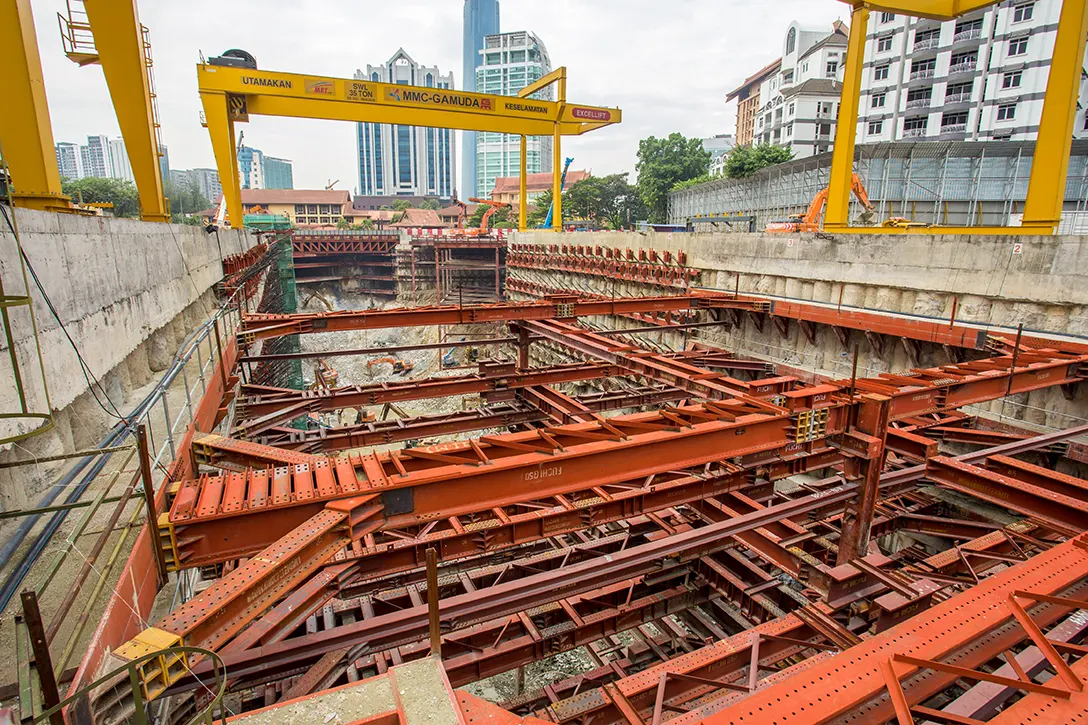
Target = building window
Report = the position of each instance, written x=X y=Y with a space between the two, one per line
x=791 y=41
x=789 y=129
x=880 y=73
x=311 y=209
x=832 y=69
x=1006 y=112
x=963 y=62
x=1012 y=80
x=915 y=126
x=958 y=91
x=926 y=38
x=878 y=100
x=883 y=45
x=790 y=111
x=951 y=122
x=1020 y=13
x=876 y=127
x=300 y=209
x=1018 y=46
x=887 y=17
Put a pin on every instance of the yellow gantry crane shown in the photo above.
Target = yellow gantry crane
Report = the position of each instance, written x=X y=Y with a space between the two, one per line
x=232 y=89
x=102 y=32
x=1046 y=187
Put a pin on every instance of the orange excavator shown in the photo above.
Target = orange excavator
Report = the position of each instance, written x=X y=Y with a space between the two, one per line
x=810 y=220
x=400 y=367
x=485 y=229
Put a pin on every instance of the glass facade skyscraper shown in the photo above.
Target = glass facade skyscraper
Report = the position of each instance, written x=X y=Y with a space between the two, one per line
x=509 y=62
x=481 y=19
x=405 y=160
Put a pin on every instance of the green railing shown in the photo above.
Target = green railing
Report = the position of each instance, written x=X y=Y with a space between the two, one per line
x=136 y=711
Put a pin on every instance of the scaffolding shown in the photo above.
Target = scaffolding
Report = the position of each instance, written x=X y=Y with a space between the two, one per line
x=946 y=183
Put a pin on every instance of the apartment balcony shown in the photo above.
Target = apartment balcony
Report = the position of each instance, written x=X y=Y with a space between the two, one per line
x=913 y=132
x=954 y=128
x=926 y=44
x=971 y=34
x=966 y=67
x=919 y=102
x=958 y=97
x=922 y=73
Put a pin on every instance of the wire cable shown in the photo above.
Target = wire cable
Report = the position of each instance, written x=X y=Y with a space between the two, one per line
x=88 y=374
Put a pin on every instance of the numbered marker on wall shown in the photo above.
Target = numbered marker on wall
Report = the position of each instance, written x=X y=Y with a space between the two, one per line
x=1018 y=248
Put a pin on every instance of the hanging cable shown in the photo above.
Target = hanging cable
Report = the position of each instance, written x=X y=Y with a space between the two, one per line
x=88 y=374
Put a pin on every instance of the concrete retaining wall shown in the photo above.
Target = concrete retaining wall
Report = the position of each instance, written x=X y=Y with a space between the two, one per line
x=128 y=292
x=1045 y=287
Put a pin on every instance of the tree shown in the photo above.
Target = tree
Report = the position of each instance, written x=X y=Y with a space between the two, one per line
x=185 y=200
x=431 y=204
x=663 y=163
x=401 y=205
x=363 y=224
x=743 y=161
x=605 y=200
x=122 y=194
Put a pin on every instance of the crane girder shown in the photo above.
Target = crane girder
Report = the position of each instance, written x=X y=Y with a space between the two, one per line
x=230 y=94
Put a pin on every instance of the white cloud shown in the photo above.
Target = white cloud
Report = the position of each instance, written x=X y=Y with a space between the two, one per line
x=667 y=64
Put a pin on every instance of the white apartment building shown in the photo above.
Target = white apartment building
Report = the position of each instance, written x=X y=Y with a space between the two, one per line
x=405 y=160
x=69 y=161
x=122 y=167
x=979 y=77
x=96 y=157
x=719 y=147
x=510 y=61
x=799 y=103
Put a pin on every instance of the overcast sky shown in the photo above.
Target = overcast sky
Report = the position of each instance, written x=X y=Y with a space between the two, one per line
x=667 y=63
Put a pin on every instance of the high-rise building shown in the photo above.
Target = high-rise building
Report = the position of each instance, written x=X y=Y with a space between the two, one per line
x=509 y=62
x=747 y=95
x=719 y=147
x=278 y=173
x=207 y=180
x=164 y=161
x=122 y=168
x=799 y=103
x=979 y=77
x=251 y=167
x=69 y=161
x=96 y=157
x=481 y=18
x=405 y=160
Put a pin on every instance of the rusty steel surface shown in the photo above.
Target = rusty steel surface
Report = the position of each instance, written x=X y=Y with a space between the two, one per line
x=666 y=524
x=263 y=326
x=967 y=630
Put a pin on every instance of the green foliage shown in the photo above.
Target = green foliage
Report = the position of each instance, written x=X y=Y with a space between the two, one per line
x=185 y=200
x=431 y=204
x=504 y=218
x=608 y=201
x=743 y=161
x=539 y=209
x=122 y=194
x=363 y=224
x=693 y=182
x=663 y=163
x=401 y=205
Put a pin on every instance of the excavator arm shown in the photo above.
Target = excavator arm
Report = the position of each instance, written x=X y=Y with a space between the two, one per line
x=494 y=207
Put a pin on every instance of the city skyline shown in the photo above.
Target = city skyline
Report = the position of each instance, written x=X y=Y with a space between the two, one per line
x=607 y=69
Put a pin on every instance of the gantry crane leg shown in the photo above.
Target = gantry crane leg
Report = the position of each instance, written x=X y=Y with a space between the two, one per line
x=26 y=136
x=123 y=53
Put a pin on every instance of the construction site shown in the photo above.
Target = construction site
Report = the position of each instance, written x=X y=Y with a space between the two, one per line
x=822 y=473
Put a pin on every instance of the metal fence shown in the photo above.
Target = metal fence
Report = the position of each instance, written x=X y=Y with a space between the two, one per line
x=948 y=183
